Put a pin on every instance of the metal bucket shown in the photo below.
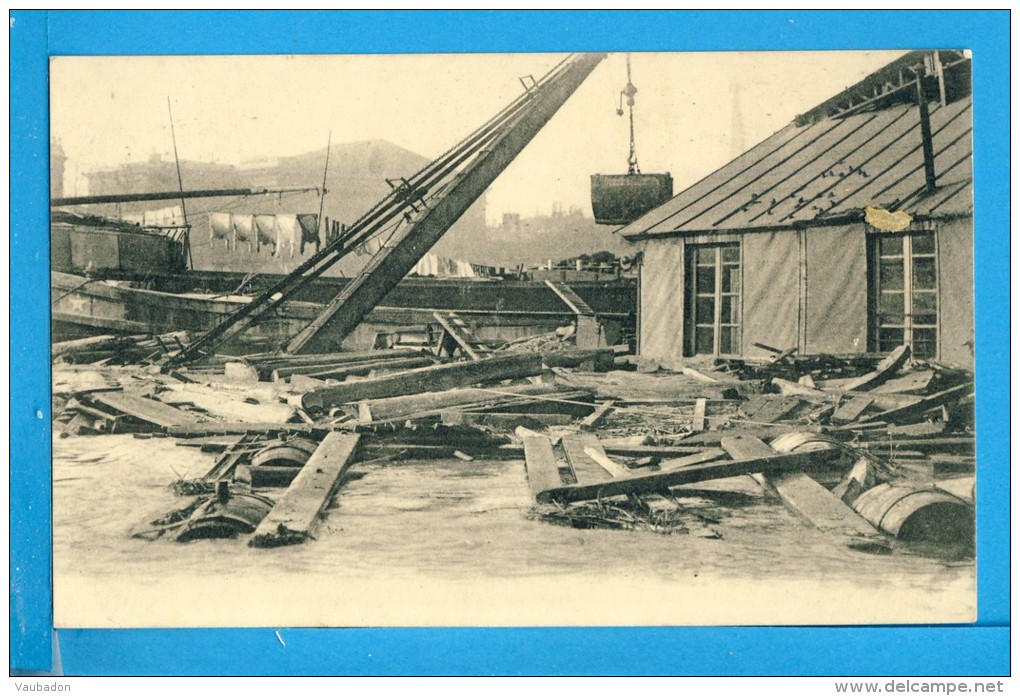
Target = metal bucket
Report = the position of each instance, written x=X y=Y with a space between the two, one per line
x=617 y=199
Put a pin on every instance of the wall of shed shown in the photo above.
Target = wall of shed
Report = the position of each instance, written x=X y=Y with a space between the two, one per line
x=662 y=300
x=836 y=312
x=956 y=290
x=813 y=296
x=771 y=297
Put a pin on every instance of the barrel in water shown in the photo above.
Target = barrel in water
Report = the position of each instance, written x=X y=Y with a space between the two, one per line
x=912 y=512
x=617 y=199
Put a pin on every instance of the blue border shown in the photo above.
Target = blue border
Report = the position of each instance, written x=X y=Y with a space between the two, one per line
x=980 y=649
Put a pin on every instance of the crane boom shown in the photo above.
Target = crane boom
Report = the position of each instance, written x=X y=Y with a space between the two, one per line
x=393 y=262
x=429 y=201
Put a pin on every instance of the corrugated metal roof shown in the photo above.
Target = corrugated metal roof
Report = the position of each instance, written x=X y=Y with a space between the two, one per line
x=829 y=169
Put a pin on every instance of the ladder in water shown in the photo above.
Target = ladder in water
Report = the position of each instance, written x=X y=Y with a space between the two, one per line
x=457 y=335
x=588 y=331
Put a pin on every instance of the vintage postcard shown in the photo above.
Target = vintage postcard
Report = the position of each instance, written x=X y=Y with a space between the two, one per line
x=513 y=339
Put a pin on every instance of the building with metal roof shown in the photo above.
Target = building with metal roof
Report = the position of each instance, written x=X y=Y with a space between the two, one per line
x=848 y=231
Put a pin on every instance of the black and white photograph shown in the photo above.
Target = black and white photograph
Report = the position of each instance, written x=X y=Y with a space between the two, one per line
x=529 y=339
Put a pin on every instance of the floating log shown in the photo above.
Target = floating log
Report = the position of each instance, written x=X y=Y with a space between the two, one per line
x=540 y=462
x=809 y=500
x=434 y=378
x=654 y=482
x=294 y=518
x=883 y=371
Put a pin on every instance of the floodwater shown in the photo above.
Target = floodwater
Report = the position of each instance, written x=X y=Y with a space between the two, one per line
x=456 y=542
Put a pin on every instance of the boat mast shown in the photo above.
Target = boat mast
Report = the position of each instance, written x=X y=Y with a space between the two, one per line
x=180 y=187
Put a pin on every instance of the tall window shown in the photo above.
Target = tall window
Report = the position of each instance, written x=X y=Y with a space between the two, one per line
x=713 y=307
x=905 y=282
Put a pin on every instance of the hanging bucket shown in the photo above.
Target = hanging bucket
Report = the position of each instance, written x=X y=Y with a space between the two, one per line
x=617 y=199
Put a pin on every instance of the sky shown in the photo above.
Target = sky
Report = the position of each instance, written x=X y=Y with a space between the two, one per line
x=694 y=111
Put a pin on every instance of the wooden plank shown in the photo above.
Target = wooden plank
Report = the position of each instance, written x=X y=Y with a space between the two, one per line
x=505 y=421
x=436 y=402
x=809 y=500
x=586 y=470
x=852 y=409
x=917 y=409
x=599 y=456
x=700 y=376
x=885 y=369
x=148 y=410
x=768 y=408
x=540 y=462
x=654 y=482
x=294 y=518
x=707 y=455
x=359 y=369
x=913 y=382
x=788 y=388
x=239 y=428
x=595 y=418
x=425 y=379
x=698 y=421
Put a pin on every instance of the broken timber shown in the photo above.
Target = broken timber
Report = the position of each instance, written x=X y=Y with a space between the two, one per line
x=595 y=418
x=655 y=482
x=294 y=518
x=434 y=378
x=540 y=461
x=885 y=369
x=809 y=500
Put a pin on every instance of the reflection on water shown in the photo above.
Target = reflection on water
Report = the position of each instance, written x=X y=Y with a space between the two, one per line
x=445 y=519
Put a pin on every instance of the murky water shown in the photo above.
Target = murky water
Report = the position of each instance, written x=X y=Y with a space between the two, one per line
x=434 y=521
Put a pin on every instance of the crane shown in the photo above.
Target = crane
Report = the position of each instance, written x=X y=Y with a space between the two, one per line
x=417 y=211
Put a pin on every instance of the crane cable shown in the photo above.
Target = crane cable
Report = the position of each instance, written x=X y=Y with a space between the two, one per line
x=629 y=91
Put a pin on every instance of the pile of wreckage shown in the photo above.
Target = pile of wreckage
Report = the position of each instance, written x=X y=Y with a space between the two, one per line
x=875 y=451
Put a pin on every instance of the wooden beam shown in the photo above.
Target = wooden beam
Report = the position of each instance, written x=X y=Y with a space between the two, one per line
x=435 y=402
x=657 y=481
x=698 y=422
x=595 y=418
x=707 y=455
x=885 y=369
x=809 y=500
x=294 y=518
x=424 y=379
x=586 y=469
x=852 y=409
x=917 y=409
x=148 y=410
x=540 y=462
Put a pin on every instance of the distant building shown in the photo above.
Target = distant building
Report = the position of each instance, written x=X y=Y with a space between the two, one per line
x=57 y=161
x=848 y=231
